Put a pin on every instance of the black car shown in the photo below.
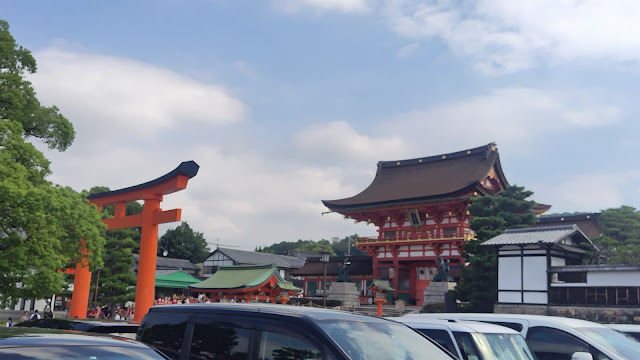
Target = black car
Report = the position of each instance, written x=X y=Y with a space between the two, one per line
x=32 y=343
x=280 y=332
x=120 y=328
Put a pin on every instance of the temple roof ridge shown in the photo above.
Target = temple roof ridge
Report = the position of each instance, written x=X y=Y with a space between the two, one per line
x=486 y=149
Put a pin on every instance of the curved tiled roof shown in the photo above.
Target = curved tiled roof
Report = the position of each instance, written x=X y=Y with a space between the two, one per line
x=429 y=177
x=243 y=276
x=254 y=258
x=538 y=235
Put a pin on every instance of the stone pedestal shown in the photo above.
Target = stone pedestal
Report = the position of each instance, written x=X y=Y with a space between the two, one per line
x=346 y=292
x=434 y=293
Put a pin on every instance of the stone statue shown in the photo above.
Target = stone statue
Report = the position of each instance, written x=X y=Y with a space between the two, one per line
x=443 y=274
x=343 y=272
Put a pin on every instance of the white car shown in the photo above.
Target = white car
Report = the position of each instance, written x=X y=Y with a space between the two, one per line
x=473 y=340
x=557 y=338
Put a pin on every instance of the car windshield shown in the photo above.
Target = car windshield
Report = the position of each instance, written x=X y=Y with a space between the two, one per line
x=493 y=346
x=614 y=341
x=376 y=340
x=78 y=352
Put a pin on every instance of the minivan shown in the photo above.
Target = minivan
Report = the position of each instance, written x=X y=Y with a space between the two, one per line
x=557 y=338
x=257 y=331
x=473 y=339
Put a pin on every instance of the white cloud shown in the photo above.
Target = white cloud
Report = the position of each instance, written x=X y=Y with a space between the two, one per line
x=408 y=50
x=340 y=6
x=506 y=35
x=587 y=191
x=339 y=143
x=102 y=93
x=511 y=116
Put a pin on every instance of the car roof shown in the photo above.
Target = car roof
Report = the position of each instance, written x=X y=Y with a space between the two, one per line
x=456 y=325
x=574 y=323
x=635 y=328
x=20 y=337
x=271 y=309
x=93 y=322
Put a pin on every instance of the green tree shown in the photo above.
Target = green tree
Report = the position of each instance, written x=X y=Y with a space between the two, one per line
x=340 y=246
x=620 y=240
x=18 y=100
x=115 y=279
x=284 y=247
x=41 y=224
x=490 y=217
x=183 y=243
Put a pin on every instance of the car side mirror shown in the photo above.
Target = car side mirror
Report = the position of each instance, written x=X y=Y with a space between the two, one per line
x=580 y=355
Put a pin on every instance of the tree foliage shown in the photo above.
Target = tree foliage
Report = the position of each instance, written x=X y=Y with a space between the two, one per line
x=18 y=101
x=620 y=240
x=490 y=217
x=41 y=224
x=184 y=243
x=336 y=246
x=116 y=280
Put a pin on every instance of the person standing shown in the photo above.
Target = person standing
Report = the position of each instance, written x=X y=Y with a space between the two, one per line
x=10 y=323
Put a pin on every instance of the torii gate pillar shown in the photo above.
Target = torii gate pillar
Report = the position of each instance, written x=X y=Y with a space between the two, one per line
x=152 y=215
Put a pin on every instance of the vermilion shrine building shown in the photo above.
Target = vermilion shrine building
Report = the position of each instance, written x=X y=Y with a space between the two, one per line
x=420 y=209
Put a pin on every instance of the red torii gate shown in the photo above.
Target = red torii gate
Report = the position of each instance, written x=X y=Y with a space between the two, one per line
x=152 y=215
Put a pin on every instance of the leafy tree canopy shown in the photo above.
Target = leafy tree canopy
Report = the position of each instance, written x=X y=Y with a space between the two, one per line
x=18 y=100
x=490 y=217
x=116 y=280
x=41 y=224
x=336 y=246
x=184 y=243
x=620 y=240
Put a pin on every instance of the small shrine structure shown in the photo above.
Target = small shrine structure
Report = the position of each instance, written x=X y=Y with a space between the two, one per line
x=247 y=283
x=379 y=289
x=420 y=209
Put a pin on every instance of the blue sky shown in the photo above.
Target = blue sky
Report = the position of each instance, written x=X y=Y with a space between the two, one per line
x=284 y=103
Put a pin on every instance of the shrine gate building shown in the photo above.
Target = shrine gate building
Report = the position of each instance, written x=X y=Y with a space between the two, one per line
x=419 y=207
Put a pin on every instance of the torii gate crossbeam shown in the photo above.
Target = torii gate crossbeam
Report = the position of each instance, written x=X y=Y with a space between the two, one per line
x=152 y=215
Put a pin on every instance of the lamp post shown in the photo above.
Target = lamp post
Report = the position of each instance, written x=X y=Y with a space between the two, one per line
x=324 y=257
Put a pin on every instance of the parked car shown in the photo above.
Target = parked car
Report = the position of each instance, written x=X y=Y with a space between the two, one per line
x=269 y=331
x=629 y=329
x=472 y=339
x=33 y=343
x=558 y=338
x=119 y=328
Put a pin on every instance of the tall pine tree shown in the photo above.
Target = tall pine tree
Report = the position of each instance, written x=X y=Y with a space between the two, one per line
x=490 y=217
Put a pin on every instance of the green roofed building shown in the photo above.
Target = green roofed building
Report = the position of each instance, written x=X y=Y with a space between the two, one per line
x=247 y=283
x=176 y=280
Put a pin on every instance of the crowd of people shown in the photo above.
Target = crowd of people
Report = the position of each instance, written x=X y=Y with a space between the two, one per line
x=105 y=312
x=34 y=316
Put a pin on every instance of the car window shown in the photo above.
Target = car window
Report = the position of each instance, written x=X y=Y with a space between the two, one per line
x=362 y=340
x=442 y=337
x=554 y=344
x=467 y=346
x=165 y=331
x=215 y=341
x=276 y=346
x=515 y=326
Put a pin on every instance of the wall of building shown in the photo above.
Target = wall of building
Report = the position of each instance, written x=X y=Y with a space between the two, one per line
x=603 y=315
x=613 y=278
